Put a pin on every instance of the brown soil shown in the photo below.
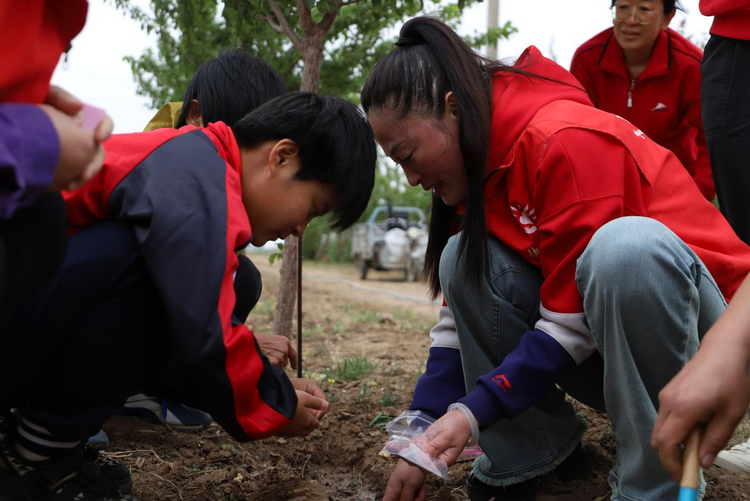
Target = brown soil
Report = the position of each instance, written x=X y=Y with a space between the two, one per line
x=385 y=323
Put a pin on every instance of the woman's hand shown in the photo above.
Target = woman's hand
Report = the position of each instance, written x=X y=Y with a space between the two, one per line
x=406 y=483
x=447 y=437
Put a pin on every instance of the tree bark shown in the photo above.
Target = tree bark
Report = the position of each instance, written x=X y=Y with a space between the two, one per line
x=285 y=301
x=311 y=48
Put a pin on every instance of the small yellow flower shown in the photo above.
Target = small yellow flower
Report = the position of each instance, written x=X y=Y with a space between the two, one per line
x=331 y=380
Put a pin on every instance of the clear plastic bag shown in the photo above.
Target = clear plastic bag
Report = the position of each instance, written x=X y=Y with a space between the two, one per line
x=403 y=431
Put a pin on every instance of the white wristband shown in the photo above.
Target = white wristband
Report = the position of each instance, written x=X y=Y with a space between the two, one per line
x=473 y=423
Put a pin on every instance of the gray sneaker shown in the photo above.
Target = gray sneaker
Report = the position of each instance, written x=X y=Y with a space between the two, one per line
x=735 y=459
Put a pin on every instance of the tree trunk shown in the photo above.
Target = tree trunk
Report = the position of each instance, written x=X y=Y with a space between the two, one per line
x=282 y=322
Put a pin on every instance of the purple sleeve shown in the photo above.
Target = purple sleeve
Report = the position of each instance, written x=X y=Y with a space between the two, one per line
x=29 y=151
x=526 y=373
x=441 y=384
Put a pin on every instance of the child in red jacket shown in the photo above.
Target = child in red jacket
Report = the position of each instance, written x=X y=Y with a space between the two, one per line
x=649 y=74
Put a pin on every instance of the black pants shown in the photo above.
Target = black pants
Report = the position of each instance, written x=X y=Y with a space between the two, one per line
x=725 y=102
x=73 y=352
x=32 y=246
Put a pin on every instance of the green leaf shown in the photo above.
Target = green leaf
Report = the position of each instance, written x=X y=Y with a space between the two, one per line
x=274 y=256
x=280 y=246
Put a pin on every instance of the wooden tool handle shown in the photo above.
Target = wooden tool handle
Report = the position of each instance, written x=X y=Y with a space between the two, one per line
x=690 y=461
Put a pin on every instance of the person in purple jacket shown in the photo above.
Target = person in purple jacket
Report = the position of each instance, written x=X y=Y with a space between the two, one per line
x=43 y=149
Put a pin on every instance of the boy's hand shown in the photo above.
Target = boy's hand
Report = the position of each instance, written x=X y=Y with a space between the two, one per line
x=311 y=387
x=304 y=422
x=277 y=349
x=406 y=483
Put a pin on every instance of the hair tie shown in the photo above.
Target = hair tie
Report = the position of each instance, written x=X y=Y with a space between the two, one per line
x=408 y=42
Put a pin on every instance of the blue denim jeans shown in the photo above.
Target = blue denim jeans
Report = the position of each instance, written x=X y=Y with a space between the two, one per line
x=647 y=299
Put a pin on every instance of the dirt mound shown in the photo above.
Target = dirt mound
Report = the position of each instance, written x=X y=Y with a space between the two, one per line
x=367 y=349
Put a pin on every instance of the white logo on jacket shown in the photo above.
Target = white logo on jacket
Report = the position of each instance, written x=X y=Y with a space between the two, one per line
x=659 y=107
x=526 y=217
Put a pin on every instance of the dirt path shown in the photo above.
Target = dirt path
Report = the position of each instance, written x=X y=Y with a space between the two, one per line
x=366 y=342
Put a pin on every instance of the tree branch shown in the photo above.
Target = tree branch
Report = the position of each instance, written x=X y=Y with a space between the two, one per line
x=284 y=25
x=327 y=21
x=273 y=24
x=308 y=26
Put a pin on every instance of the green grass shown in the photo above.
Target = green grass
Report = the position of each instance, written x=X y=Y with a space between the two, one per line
x=352 y=369
x=380 y=421
x=389 y=398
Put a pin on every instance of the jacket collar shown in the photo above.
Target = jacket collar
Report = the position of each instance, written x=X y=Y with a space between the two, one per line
x=612 y=59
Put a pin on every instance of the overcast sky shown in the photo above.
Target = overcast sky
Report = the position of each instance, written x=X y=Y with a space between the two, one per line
x=97 y=74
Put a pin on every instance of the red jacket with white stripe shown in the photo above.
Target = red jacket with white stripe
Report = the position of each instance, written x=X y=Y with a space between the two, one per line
x=664 y=101
x=181 y=192
x=569 y=169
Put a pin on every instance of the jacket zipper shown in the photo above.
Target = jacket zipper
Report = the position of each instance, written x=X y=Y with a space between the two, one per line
x=630 y=93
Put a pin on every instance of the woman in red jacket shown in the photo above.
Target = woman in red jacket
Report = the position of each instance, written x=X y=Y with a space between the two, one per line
x=587 y=257
x=649 y=74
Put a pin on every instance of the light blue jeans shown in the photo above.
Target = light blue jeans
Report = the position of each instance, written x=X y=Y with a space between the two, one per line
x=647 y=299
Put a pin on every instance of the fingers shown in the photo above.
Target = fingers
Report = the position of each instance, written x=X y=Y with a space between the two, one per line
x=670 y=432
x=63 y=101
x=422 y=494
x=104 y=129
x=718 y=432
x=311 y=402
x=406 y=484
x=292 y=353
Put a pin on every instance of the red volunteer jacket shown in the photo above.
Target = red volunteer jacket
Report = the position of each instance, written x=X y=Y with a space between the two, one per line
x=664 y=101
x=181 y=192
x=34 y=33
x=551 y=187
x=558 y=170
x=731 y=17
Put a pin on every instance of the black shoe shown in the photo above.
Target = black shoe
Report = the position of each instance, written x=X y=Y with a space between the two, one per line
x=569 y=469
x=574 y=466
x=80 y=474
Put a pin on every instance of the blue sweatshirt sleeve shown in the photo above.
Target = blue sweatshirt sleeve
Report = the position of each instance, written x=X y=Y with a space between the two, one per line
x=526 y=373
x=441 y=384
x=29 y=151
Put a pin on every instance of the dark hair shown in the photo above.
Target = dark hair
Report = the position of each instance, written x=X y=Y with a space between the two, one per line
x=669 y=6
x=335 y=141
x=230 y=86
x=430 y=60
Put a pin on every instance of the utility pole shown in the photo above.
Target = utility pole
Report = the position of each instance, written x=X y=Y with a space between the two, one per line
x=493 y=21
